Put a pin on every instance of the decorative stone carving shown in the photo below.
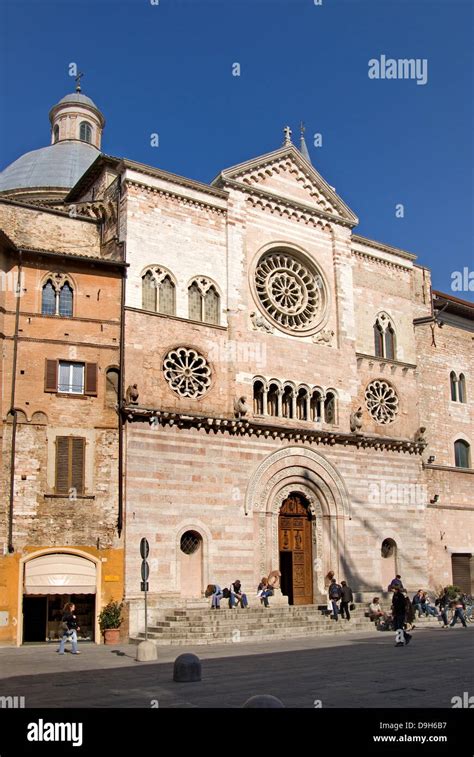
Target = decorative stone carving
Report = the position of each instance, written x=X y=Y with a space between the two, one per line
x=131 y=395
x=324 y=337
x=240 y=407
x=356 y=420
x=381 y=401
x=420 y=437
x=260 y=324
x=291 y=291
x=187 y=372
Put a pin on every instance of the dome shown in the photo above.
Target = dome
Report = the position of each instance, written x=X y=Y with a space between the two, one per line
x=78 y=98
x=57 y=166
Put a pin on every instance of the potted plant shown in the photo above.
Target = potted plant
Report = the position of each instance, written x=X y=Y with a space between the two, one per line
x=110 y=619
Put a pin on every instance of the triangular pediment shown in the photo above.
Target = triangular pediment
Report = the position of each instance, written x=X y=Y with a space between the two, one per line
x=287 y=175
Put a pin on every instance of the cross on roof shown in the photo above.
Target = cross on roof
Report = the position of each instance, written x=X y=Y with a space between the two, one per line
x=78 y=81
x=287 y=132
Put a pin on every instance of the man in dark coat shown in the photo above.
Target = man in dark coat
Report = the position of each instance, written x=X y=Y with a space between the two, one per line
x=399 y=613
x=346 y=598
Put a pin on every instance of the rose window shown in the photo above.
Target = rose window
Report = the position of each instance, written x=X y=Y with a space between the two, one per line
x=290 y=291
x=382 y=401
x=187 y=372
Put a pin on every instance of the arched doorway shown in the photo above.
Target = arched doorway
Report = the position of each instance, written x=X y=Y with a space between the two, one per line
x=191 y=564
x=389 y=567
x=296 y=550
x=50 y=580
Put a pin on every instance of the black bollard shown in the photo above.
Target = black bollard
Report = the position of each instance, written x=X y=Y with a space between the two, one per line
x=187 y=668
x=261 y=701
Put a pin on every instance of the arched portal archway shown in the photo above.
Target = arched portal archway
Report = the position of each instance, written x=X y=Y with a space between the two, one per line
x=295 y=543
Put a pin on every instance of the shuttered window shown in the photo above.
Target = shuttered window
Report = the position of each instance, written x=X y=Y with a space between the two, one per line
x=70 y=378
x=70 y=461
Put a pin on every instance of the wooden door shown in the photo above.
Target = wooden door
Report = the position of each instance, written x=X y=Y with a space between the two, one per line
x=295 y=545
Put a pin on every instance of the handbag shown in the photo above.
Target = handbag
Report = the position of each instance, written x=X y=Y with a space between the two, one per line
x=352 y=606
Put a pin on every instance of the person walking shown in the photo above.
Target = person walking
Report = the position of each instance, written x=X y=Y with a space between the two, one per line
x=443 y=603
x=459 y=608
x=399 y=617
x=346 y=598
x=334 y=593
x=396 y=583
x=70 y=629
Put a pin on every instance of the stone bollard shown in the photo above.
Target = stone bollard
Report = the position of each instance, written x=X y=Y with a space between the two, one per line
x=187 y=668
x=261 y=701
x=146 y=651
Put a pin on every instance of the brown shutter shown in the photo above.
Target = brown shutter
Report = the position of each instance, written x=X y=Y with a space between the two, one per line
x=90 y=380
x=462 y=571
x=51 y=376
x=77 y=464
x=62 y=465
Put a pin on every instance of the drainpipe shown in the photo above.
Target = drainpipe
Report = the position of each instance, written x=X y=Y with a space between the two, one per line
x=121 y=377
x=13 y=411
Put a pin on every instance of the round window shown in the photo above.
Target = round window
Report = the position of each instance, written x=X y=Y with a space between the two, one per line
x=190 y=542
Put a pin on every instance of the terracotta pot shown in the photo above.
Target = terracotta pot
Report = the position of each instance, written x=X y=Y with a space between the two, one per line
x=111 y=635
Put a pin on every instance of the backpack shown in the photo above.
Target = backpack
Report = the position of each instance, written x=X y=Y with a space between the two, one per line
x=335 y=592
x=226 y=593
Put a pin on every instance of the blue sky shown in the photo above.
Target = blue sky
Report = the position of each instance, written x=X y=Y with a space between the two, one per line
x=167 y=69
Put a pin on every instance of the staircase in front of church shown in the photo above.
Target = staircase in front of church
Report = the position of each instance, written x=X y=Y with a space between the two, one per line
x=206 y=626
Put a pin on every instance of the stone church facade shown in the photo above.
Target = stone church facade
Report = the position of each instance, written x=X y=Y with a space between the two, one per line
x=294 y=396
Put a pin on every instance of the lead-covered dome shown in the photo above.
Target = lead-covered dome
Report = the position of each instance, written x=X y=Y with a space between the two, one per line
x=50 y=172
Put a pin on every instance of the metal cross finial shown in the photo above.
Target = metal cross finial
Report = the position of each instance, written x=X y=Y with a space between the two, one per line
x=287 y=132
x=78 y=81
x=302 y=128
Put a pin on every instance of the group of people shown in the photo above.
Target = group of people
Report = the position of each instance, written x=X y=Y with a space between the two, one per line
x=341 y=599
x=237 y=597
x=404 y=610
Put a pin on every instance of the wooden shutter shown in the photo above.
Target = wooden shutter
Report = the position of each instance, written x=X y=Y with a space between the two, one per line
x=51 y=376
x=70 y=464
x=78 y=447
x=62 y=465
x=90 y=379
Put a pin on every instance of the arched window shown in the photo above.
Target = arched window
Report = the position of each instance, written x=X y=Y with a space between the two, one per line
x=258 y=398
x=315 y=406
x=272 y=399
x=453 y=385
x=384 y=337
x=65 y=301
x=111 y=386
x=302 y=404
x=166 y=296
x=204 y=301
x=55 y=134
x=85 y=132
x=378 y=340
x=390 y=342
x=462 y=454
x=462 y=388
x=287 y=402
x=211 y=306
x=57 y=297
x=48 y=300
x=148 y=292
x=194 y=299
x=330 y=408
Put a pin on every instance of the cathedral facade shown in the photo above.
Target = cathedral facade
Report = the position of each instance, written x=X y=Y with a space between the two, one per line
x=293 y=396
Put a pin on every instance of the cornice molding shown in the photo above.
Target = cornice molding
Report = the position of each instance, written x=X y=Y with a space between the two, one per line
x=383 y=247
x=267 y=430
x=382 y=361
x=181 y=199
x=381 y=261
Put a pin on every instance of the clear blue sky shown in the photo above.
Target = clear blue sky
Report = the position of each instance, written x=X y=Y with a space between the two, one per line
x=167 y=68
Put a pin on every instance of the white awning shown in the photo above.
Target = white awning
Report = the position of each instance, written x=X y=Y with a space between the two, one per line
x=60 y=574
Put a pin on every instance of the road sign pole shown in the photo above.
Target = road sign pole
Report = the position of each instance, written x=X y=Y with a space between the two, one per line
x=145 y=571
x=146 y=614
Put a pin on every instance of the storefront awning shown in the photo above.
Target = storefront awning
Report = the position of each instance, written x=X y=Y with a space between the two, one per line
x=60 y=574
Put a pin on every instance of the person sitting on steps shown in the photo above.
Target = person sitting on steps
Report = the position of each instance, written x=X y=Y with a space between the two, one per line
x=264 y=591
x=215 y=592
